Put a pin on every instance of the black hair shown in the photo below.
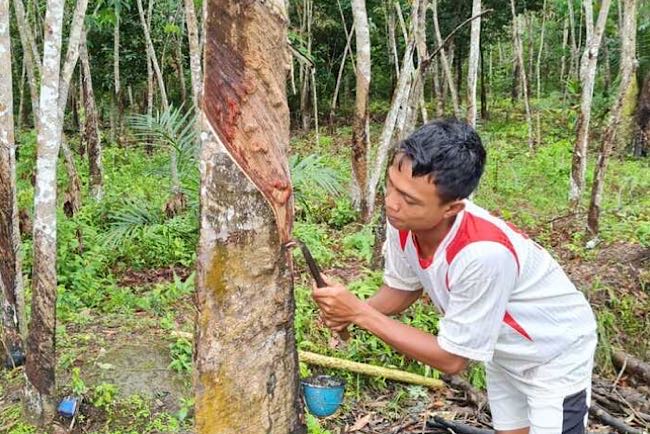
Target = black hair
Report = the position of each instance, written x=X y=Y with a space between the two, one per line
x=448 y=151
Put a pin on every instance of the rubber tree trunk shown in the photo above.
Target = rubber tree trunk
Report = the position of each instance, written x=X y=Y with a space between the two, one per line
x=195 y=52
x=627 y=70
x=444 y=61
x=588 y=77
x=117 y=88
x=31 y=58
x=92 y=128
x=521 y=66
x=642 y=120
x=41 y=357
x=472 y=68
x=359 y=137
x=12 y=303
x=246 y=364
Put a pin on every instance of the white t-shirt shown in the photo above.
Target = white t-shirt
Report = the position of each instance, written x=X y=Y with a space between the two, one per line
x=503 y=297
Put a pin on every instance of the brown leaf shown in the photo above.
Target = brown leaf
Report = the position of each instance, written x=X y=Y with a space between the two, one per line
x=361 y=423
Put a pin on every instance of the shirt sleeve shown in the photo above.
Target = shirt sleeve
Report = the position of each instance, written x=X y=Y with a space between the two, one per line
x=481 y=279
x=398 y=274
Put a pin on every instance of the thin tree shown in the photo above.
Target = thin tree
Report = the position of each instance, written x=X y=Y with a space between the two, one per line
x=519 y=54
x=472 y=67
x=587 y=77
x=538 y=74
x=117 y=90
x=359 y=137
x=627 y=71
x=41 y=357
x=177 y=202
x=12 y=302
x=92 y=136
x=195 y=53
x=444 y=62
x=244 y=329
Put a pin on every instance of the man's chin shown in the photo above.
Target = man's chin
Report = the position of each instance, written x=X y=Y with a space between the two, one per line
x=396 y=223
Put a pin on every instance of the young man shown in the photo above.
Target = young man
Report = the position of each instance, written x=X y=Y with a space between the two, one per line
x=505 y=301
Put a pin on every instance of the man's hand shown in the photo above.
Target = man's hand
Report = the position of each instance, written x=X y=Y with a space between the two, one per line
x=339 y=307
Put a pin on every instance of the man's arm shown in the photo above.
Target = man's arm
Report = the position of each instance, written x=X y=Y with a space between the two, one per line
x=339 y=307
x=391 y=301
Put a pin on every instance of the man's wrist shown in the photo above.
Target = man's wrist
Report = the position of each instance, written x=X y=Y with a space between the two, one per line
x=365 y=315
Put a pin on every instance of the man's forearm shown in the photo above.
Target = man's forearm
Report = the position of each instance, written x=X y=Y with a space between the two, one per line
x=410 y=341
x=390 y=301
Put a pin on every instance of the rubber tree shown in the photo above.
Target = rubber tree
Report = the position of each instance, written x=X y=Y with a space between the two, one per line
x=587 y=77
x=12 y=320
x=359 y=130
x=246 y=365
x=627 y=70
x=472 y=68
x=41 y=360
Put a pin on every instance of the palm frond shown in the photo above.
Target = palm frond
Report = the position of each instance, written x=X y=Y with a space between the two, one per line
x=131 y=219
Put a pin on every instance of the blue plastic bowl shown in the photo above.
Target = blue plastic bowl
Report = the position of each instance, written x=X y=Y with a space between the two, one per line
x=323 y=394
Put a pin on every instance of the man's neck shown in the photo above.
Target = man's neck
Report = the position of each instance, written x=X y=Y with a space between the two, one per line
x=429 y=240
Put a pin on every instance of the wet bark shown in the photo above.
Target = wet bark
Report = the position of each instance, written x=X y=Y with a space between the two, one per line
x=246 y=364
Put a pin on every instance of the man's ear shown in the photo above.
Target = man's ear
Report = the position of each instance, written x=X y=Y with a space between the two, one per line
x=454 y=208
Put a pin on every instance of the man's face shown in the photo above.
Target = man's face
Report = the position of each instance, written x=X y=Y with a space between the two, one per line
x=412 y=203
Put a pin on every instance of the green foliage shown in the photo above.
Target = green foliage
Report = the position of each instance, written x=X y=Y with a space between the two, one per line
x=318 y=241
x=313 y=180
x=181 y=353
x=360 y=244
x=104 y=395
x=78 y=387
x=342 y=214
x=314 y=426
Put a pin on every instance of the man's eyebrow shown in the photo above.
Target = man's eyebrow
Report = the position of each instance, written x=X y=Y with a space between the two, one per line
x=402 y=192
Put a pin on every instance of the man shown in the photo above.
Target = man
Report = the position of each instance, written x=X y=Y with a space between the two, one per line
x=505 y=301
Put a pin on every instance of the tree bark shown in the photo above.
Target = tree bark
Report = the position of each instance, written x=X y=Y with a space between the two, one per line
x=538 y=74
x=117 y=89
x=519 y=53
x=472 y=68
x=565 y=38
x=246 y=364
x=574 y=49
x=340 y=76
x=359 y=137
x=12 y=303
x=587 y=76
x=195 y=53
x=92 y=129
x=32 y=59
x=41 y=357
x=642 y=121
x=443 y=60
x=627 y=70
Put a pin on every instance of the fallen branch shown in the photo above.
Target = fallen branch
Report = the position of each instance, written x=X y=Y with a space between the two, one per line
x=632 y=365
x=474 y=396
x=371 y=370
x=456 y=427
x=601 y=414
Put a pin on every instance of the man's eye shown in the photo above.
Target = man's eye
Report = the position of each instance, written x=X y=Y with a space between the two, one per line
x=409 y=201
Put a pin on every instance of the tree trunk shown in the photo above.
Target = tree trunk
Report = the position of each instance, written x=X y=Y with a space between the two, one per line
x=398 y=105
x=574 y=48
x=565 y=38
x=195 y=53
x=12 y=303
x=587 y=76
x=32 y=60
x=41 y=357
x=628 y=66
x=516 y=31
x=642 y=119
x=472 y=68
x=92 y=129
x=180 y=70
x=117 y=90
x=359 y=137
x=538 y=74
x=484 y=103
x=246 y=364
x=443 y=60
x=152 y=56
x=340 y=77
x=438 y=89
